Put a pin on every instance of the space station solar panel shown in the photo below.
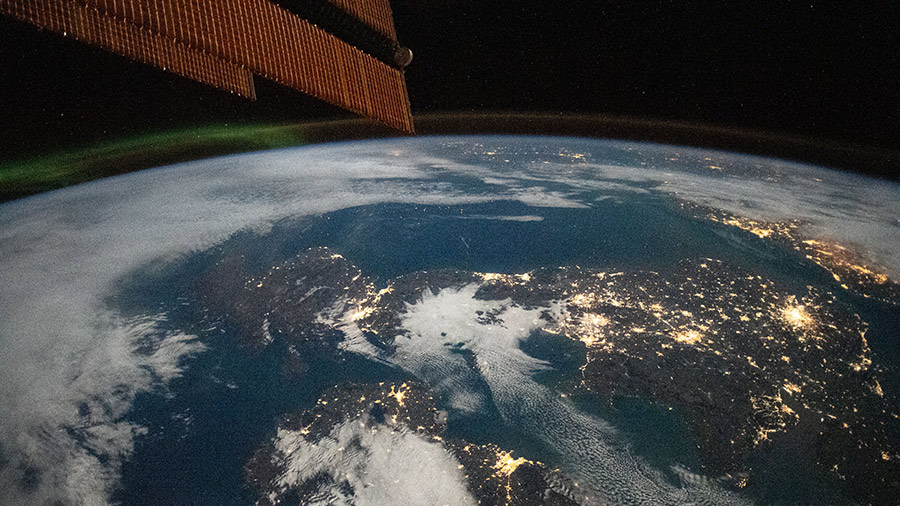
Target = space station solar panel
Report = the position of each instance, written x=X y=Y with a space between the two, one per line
x=84 y=23
x=224 y=42
x=375 y=13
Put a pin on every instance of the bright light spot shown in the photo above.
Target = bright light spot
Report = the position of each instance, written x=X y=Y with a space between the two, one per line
x=399 y=393
x=362 y=313
x=792 y=388
x=590 y=331
x=688 y=337
x=506 y=464
x=797 y=316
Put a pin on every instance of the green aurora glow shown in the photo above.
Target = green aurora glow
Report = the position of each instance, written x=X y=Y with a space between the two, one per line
x=57 y=170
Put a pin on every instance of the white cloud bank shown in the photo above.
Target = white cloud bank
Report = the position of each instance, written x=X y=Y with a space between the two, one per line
x=384 y=467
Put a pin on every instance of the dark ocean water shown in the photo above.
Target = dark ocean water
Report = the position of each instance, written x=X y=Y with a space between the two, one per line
x=204 y=428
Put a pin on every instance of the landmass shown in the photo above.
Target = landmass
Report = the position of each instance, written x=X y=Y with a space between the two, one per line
x=294 y=465
x=845 y=265
x=748 y=363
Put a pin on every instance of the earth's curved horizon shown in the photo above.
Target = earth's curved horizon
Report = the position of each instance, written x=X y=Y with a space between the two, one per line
x=30 y=174
x=454 y=319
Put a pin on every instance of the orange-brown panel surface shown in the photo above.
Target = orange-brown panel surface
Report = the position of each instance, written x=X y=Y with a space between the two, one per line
x=81 y=22
x=375 y=13
x=212 y=40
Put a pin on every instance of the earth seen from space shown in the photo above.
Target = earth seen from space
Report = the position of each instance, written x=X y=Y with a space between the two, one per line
x=496 y=320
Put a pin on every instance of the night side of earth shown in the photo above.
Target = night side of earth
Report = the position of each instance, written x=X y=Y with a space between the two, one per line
x=496 y=320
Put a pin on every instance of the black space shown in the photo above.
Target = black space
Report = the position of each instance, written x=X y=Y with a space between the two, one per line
x=828 y=71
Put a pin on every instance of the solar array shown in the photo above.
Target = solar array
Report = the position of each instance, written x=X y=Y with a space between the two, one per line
x=223 y=43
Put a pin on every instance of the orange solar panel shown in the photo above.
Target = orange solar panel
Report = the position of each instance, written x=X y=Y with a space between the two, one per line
x=375 y=13
x=223 y=42
x=77 y=20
